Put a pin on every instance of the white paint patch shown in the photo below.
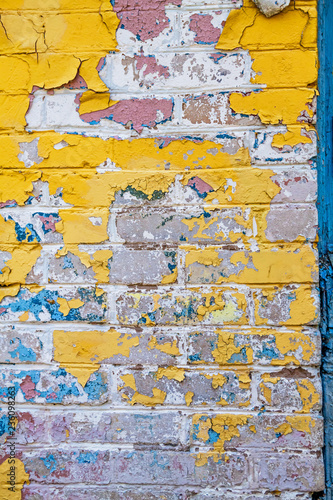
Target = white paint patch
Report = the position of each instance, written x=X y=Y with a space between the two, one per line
x=96 y=221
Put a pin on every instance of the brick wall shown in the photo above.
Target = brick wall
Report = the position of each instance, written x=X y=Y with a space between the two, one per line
x=159 y=281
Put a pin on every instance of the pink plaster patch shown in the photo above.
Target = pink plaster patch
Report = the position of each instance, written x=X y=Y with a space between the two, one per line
x=77 y=83
x=146 y=19
x=49 y=222
x=100 y=64
x=135 y=113
x=28 y=388
x=201 y=24
x=8 y=203
x=200 y=186
x=151 y=66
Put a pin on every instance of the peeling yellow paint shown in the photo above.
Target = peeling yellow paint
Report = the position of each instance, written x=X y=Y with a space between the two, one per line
x=172 y=373
x=170 y=278
x=225 y=426
x=294 y=31
x=80 y=352
x=167 y=347
x=226 y=348
x=189 y=397
x=308 y=394
x=67 y=305
x=298 y=423
x=91 y=101
x=21 y=477
x=157 y=398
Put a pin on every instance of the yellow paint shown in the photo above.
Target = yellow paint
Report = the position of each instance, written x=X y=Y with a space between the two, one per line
x=129 y=381
x=308 y=394
x=167 y=347
x=226 y=348
x=21 y=477
x=189 y=397
x=302 y=424
x=298 y=423
x=91 y=101
x=157 y=398
x=67 y=305
x=266 y=390
x=218 y=380
x=217 y=310
x=17 y=185
x=288 y=342
x=302 y=309
x=79 y=227
x=24 y=316
x=170 y=278
x=9 y=291
x=172 y=373
x=226 y=426
x=39 y=41
x=207 y=257
x=293 y=68
x=244 y=380
x=302 y=305
x=23 y=258
x=80 y=352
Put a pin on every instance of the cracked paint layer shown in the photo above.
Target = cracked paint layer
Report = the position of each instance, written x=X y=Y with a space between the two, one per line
x=295 y=67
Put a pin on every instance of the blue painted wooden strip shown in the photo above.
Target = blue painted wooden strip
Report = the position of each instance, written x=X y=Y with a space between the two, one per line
x=325 y=212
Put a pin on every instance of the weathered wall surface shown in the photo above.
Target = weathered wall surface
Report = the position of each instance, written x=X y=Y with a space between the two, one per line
x=159 y=282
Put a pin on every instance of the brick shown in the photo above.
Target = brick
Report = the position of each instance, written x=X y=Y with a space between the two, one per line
x=281 y=305
x=291 y=472
x=168 y=71
x=138 y=467
x=49 y=304
x=178 y=469
x=302 y=221
x=303 y=387
x=127 y=266
x=179 y=387
x=109 y=492
x=263 y=347
x=24 y=345
x=182 y=307
x=146 y=346
x=47 y=386
x=266 y=265
x=150 y=493
x=197 y=226
x=31 y=428
x=297 y=185
x=262 y=151
x=145 y=429
x=213 y=109
x=257 y=432
x=202 y=27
